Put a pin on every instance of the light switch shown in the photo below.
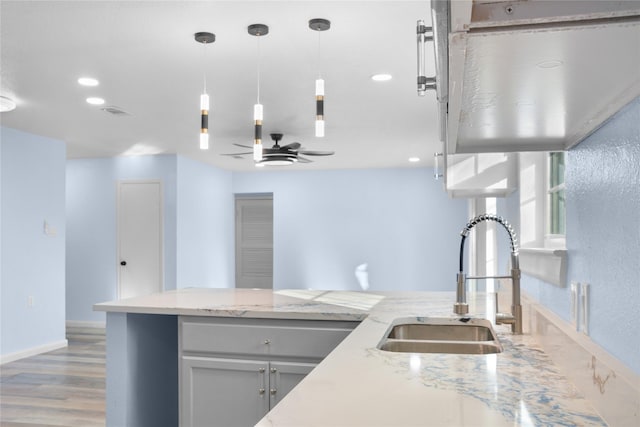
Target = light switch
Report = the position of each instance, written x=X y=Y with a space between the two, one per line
x=574 y=304
x=49 y=230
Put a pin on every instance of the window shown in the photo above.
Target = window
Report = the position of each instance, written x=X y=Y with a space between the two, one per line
x=542 y=216
x=556 y=218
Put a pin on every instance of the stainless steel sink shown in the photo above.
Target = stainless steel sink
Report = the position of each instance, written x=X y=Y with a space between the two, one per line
x=442 y=335
x=446 y=332
x=441 y=347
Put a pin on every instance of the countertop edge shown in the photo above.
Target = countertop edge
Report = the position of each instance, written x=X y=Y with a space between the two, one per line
x=253 y=314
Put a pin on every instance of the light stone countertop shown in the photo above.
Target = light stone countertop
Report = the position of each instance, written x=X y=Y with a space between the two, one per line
x=360 y=385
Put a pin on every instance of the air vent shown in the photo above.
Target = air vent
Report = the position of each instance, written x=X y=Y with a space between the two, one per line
x=116 y=111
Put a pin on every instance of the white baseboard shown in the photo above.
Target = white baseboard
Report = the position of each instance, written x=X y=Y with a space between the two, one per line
x=85 y=324
x=33 y=351
x=611 y=387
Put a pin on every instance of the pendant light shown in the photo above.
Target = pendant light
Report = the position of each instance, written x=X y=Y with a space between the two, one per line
x=319 y=25
x=258 y=30
x=204 y=38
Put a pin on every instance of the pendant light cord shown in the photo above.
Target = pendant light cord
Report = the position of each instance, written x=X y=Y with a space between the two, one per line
x=319 y=60
x=258 y=70
x=204 y=66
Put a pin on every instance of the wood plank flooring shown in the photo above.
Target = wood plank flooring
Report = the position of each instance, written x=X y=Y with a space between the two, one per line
x=65 y=387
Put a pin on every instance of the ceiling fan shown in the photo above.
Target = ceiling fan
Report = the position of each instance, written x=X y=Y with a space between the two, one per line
x=283 y=155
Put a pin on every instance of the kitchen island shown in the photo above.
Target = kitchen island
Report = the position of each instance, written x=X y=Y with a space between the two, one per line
x=356 y=384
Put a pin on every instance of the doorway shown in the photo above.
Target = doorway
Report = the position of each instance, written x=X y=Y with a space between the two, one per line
x=254 y=241
x=139 y=238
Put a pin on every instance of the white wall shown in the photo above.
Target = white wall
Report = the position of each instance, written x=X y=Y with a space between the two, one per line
x=32 y=192
x=198 y=226
x=205 y=234
x=92 y=230
x=398 y=221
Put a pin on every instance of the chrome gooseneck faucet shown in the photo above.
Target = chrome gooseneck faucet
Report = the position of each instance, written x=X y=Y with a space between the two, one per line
x=461 y=307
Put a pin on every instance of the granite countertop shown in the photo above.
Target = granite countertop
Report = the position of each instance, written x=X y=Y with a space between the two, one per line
x=360 y=385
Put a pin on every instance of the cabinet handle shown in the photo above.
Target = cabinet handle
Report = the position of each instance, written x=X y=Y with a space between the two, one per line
x=261 y=370
x=274 y=370
x=436 y=168
x=273 y=391
x=261 y=391
x=267 y=342
x=425 y=34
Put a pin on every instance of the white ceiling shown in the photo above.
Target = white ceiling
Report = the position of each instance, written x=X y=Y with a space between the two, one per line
x=148 y=64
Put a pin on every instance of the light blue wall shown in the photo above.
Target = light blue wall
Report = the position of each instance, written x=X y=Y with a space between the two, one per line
x=399 y=221
x=91 y=233
x=33 y=188
x=205 y=235
x=603 y=235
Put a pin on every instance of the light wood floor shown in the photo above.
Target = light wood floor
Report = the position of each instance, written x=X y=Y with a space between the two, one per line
x=65 y=387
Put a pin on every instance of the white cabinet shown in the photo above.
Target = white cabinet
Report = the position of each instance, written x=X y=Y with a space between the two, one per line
x=532 y=75
x=230 y=392
x=480 y=175
x=283 y=377
x=233 y=371
x=222 y=392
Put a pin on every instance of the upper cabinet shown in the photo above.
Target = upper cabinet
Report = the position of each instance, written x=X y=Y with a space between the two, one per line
x=480 y=175
x=532 y=75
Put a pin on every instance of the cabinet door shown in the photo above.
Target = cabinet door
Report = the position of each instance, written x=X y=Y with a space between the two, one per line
x=223 y=392
x=283 y=377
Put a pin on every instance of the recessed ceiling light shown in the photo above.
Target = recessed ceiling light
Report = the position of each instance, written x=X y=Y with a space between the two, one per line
x=88 y=81
x=6 y=104
x=95 y=101
x=414 y=159
x=381 y=77
x=551 y=63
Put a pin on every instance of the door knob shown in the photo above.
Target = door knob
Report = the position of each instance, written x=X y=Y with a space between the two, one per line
x=123 y=263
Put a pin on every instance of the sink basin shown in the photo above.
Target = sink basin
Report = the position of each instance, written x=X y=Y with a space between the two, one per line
x=451 y=347
x=442 y=335
x=446 y=332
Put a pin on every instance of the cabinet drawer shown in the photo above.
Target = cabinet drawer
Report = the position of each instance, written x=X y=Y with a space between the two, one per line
x=263 y=337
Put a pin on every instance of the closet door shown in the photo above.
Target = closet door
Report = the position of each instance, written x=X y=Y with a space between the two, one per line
x=254 y=242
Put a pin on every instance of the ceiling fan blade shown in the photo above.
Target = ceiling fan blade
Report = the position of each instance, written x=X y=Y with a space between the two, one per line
x=303 y=160
x=292 y=146
x=243 y=146
x=236 y=154
x=317 y=153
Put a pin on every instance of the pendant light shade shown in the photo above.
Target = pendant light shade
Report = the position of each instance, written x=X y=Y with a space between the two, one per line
x=319 y=107
x=258 y=30
x=204 y=121
x=257 y=133
x=319 y=25
x=204 y=38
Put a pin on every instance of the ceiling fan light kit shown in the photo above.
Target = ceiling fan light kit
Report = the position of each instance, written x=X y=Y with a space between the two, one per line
x=204 y=38
x=277 y=155
x=258 y=30
x=319 y=25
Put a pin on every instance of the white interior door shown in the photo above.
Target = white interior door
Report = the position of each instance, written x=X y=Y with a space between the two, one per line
x=139 y=238
x=254 y=242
